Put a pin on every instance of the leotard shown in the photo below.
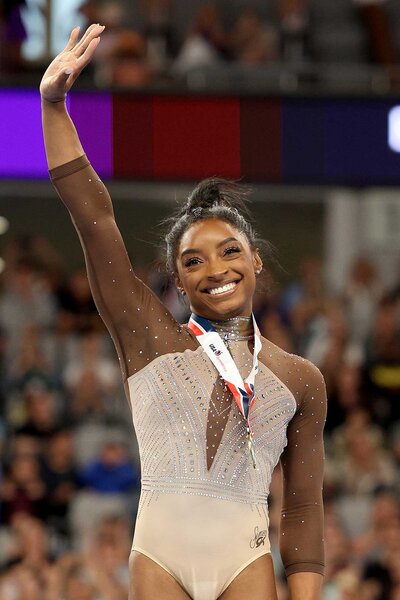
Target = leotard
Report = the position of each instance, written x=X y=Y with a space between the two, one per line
x=203 y=510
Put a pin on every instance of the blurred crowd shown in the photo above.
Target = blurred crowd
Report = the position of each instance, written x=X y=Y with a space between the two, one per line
x=69 y=472
x=142 y=43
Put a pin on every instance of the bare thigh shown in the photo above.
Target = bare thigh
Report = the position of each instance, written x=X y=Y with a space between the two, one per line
x=256 y=581
x=148 y=581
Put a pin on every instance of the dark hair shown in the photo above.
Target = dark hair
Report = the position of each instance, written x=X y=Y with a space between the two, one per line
x=213 y=198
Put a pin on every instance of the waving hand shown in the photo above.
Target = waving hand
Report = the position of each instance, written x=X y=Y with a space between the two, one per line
x=67 y=66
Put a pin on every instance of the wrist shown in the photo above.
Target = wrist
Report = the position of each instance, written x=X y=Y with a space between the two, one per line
x=56 y=103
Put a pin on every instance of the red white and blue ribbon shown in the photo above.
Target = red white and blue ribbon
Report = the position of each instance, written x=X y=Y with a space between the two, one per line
x=218 y=353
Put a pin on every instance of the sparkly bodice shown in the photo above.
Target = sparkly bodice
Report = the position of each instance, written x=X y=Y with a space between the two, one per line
x=191 y=435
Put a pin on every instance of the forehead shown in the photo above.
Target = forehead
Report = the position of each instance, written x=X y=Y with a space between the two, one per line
x=208 y=233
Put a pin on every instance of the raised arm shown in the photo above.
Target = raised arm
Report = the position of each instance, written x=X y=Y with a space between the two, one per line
x=128 y=308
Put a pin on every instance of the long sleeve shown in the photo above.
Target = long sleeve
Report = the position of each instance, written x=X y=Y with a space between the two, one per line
x=301 y=534
x=138 y=322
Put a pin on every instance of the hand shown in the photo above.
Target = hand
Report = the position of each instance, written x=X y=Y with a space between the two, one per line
x=67 y=66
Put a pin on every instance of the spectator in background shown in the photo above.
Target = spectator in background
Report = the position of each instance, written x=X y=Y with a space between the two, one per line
x=303 y=298
x=112 y=472
x=345 y=397
x=383 y=362
x=26 y=301
x=30 y=364
x=362 y=293
x=122 y=59
x=339 y=564
x=22 y=490
x=327 y=340
x=76 y=584
x=60 y=478
x=294 y=19
x=78 y=313
x=365 y=466
x=100 y=572
x=274 y=329
x=367 y=546
x=206 y=43
x=158 y=19
x=12 y=35
x=38 y=251
x=382 y=571
x=22 y=583
x=43 y=417
x=375 y=20
x=29 y=561
x=253 y=41
x=91 y=378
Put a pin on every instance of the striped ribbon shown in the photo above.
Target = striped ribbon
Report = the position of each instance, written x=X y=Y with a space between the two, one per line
x=218 y=353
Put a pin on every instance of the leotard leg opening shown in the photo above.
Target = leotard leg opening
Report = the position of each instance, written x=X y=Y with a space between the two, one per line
x=159 y=563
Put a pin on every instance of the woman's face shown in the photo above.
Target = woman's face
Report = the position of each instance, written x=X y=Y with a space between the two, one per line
x=217 y=269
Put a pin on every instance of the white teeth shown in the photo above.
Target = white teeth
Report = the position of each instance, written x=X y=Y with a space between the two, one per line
x=222 y=289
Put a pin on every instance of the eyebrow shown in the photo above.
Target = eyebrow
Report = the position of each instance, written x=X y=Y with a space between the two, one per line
x=198 y=250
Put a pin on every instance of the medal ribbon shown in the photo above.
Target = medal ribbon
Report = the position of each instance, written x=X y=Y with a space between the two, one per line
x=218 y=353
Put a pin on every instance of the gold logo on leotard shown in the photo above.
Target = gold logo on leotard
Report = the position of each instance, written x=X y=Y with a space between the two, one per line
x=259 y=538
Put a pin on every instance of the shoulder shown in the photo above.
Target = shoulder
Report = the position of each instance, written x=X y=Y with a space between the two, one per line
x=300 y=375
x=271 y=354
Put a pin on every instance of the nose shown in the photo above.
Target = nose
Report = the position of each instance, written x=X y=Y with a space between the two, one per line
x=217 y=270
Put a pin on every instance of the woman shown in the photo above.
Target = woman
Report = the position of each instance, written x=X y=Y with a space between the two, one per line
x=202 y=526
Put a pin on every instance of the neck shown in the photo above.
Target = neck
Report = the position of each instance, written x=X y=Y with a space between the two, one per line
x=235 y=328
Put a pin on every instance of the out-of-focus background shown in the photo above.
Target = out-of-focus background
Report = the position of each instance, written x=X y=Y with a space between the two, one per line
x=301 y=99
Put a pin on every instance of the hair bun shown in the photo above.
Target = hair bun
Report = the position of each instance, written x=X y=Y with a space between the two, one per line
x=215 y=192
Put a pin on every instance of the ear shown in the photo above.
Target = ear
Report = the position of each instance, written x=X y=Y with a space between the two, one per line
x=179 y=285
x=258 y=263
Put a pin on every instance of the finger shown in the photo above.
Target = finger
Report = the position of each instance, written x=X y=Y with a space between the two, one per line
x=88 y=53
x=92 y=32
x=63 y=75
x=73 y=38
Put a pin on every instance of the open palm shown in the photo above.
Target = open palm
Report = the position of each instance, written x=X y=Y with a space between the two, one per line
x=66 y=67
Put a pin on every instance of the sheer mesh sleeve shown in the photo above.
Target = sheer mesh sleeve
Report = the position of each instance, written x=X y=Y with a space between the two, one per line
x=301 y=535
x=138 y=322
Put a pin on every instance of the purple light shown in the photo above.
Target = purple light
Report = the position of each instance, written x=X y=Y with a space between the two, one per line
x=92 y=115
x=21 y=147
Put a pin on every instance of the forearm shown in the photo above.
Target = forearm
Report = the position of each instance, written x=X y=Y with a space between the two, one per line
x=61 y=140
x=305 y=586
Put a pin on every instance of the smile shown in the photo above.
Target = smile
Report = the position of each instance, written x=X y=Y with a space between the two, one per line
x=228 y=287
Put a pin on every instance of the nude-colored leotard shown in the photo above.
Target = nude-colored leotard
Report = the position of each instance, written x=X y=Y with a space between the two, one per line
x=203 y=512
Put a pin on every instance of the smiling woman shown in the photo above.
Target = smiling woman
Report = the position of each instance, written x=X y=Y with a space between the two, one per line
x=216 y=267
x=212 y=249
x=215 y=405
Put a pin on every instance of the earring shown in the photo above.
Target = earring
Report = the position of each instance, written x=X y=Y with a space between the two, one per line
x=182 y=291
x=258 y=271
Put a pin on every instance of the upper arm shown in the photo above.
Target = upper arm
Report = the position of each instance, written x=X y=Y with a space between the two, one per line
x=131 y=312
x=303 y=466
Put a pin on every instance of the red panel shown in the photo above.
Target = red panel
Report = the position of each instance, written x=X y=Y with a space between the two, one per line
x=196 y=137
x=133 y=136
x=261 y=144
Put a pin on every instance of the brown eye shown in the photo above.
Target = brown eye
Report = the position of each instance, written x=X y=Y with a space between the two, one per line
x=231 y=250
x=191 y=262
